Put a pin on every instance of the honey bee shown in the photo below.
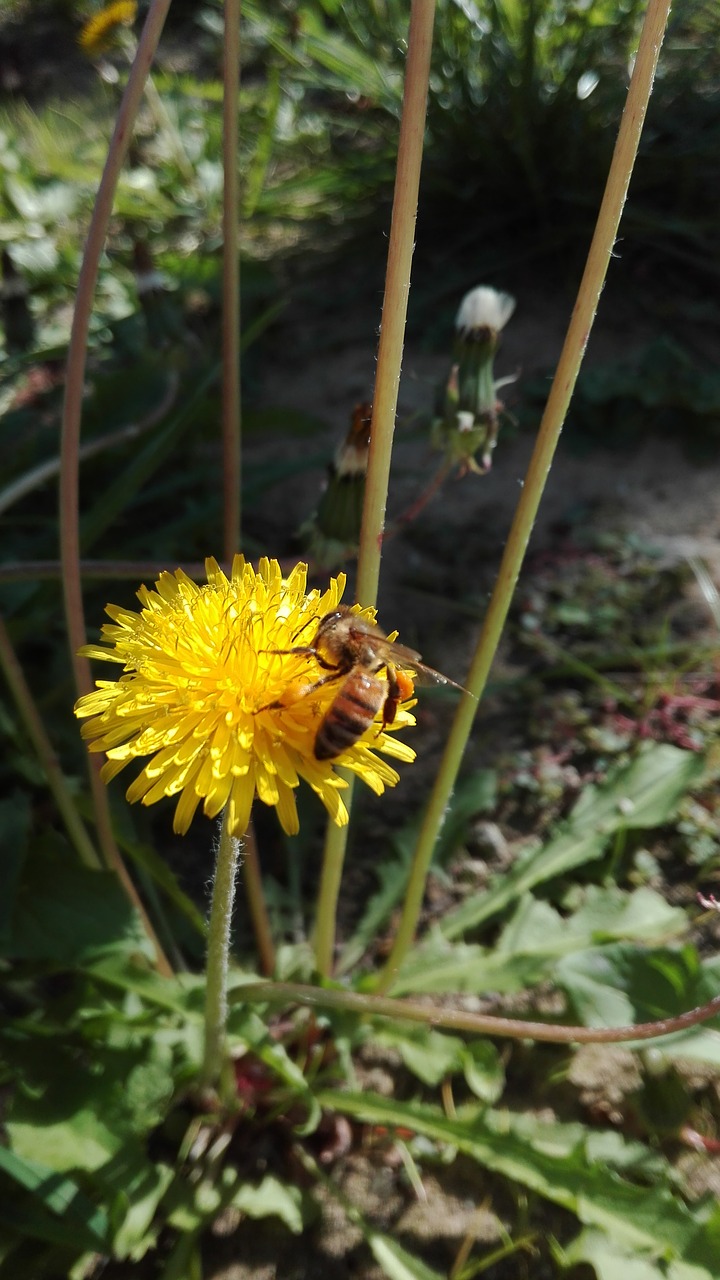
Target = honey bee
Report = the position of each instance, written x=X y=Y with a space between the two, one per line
x=354 y=650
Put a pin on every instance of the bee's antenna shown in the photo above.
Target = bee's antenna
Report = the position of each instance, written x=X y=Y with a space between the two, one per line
x=304 y=625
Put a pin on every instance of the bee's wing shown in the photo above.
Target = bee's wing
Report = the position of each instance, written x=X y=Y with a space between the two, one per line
x=400 y=656
x=428 y=675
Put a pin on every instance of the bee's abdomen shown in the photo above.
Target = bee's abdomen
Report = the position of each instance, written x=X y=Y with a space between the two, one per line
x=353 y=711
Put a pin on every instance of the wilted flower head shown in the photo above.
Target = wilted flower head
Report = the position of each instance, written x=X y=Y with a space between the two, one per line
x=483 y=308
x=468 y=411
x=98 y=32
x=221 y=713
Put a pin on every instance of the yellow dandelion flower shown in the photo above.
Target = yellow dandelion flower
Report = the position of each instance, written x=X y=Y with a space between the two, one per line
x=96 y=36
x=221 y=713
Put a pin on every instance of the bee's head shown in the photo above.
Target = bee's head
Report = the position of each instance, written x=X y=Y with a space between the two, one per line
x=332 y=637
x=331 y=620
x=327 y=624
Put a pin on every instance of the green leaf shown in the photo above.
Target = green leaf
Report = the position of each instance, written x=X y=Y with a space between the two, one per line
x=138 y=1186
x=483 y=1070
x=185 y=1261
x=81 y=1222
x=68 y=913
x=430 y=1055
x=533 y=941
x=72 y=1119
x=620 y=985
x=607 y=912
x=437 y=965
x=434 y=1056
x=182 y=994
x=271 y=1198
x=613 y=1261
x=568 y=1165
x=642 y=794
x=395 y=1261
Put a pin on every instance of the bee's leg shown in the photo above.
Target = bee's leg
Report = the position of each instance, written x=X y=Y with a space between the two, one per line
x=400 y=687
x=303 y=691
x=392 y=700
x=307 y=651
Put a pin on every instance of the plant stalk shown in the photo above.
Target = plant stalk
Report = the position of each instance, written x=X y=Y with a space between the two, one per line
x=552 y=422
x=252 y=880
x=395 y=302
x=231 y=431
x=77 y=350
x=36 y=732
x=387 y=383
x=330 y=879
x=481 y=1024
x=215 y=1058
x=72 y=413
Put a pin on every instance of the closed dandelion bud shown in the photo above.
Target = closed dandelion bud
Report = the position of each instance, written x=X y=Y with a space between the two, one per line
x=333 y=532
x=468 y=416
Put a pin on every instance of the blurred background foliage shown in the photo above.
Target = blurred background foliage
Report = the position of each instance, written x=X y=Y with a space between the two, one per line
x=524 y=100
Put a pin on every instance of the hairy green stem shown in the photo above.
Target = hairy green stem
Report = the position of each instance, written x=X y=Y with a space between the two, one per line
x=387 y=382
x=548 y=436
x=231 y=432
x=215 y=1058
x=482 y=1024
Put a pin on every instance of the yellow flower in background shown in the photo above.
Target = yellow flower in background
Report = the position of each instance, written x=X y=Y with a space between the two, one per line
x=221 y=714
x=96 y=35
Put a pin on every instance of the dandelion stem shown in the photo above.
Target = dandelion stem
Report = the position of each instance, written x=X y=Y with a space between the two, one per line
x=231 y=285
x=397 y=289
x=252 y=880
x=548 y=436
x=387 y=382
x=72 y=413
x=331 y=876
x=215 y=1058
x=77 y=351
x=482 y=1024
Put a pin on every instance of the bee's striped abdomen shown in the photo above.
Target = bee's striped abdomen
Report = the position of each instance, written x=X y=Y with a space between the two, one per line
x=359 y=699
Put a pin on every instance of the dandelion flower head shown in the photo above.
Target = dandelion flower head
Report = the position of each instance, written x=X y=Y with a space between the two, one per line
x=98 y=32
x=221 y=713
